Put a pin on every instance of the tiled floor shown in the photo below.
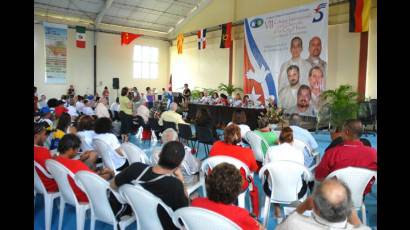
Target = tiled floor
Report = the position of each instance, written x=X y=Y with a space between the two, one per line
x=69 y=221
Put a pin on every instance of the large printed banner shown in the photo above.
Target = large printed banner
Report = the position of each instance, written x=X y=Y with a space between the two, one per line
x=284 y=50
x=56 y=53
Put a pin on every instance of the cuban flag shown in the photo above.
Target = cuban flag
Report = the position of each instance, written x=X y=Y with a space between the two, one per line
x=201 y=39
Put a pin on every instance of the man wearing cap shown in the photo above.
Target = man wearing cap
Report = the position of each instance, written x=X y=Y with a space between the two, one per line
x=45 y=114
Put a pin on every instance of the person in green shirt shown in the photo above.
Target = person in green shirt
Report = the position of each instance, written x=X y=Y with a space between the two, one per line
x=264 y=131
x=125 y=114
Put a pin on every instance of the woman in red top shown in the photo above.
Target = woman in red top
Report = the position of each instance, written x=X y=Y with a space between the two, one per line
x=224 y=99
x=223 y=186
x=229 y=147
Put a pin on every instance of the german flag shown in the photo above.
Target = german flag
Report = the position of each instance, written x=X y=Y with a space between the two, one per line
x=226 y=40
x=359 y=14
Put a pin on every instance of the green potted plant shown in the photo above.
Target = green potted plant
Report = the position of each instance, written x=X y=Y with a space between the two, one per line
x=343 y=105
x=229 y=89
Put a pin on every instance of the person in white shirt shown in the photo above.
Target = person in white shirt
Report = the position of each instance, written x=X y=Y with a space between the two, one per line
x=284 y=152
x=315 y=49
x=87 y=110
x=189 y=166
x=237 y=102
x=332 y=208
x=303 y=106
x=101 y=109
x=206 y=99
x=143 y=111
x=79 y=104
x=72 y=110
x=85 y=130
x=115 y=106
x=102 y=128
x=42 y=102
x=239 y=118
x=296 y=47
x=288 y=94
x=316 y=84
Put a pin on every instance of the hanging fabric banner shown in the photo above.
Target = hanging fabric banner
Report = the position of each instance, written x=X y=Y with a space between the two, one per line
x=56 y=53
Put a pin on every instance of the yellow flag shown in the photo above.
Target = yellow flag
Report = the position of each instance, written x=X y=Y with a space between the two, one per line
x=180 y=41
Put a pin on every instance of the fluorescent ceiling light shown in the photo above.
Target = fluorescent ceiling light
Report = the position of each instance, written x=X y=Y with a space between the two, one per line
x=181 y=20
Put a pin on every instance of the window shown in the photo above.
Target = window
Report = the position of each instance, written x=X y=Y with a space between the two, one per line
x=145 y=62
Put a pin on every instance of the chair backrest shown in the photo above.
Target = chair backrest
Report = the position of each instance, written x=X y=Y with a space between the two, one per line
x=38 y=184
x=209 y=219
x=184 y=131
x=96 y=188
x=211 y=162
x=61 y=174
x=153 y=123
x=301 y=146
x=134 y=153
x=144 y=204
x=84 y=145
x=356 y=179
x=256 y=143
x=167 y=124
x=104 y=151
x=204 y=134
x=285 y=180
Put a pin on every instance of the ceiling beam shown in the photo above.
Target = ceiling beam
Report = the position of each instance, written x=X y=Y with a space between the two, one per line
x=100 y=15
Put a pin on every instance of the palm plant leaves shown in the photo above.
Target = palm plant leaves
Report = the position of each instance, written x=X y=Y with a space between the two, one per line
x=229 y=89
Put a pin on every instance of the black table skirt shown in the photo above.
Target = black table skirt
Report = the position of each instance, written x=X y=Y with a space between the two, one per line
x=222 y=115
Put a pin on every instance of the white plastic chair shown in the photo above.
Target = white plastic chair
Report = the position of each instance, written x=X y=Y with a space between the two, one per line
x=134 y=153
x=48 y=196
x=357 y=180
x=256 y=143
x=61 y=174
x=285 y=183
x=106 y=152
x=302 y=146
x=208 y=220
x=191 y=187
x=211 y=162
x=144 y=205
x=96 y=190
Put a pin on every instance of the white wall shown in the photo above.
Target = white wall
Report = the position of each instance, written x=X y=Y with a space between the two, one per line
x=371 y=75
x=113 y=60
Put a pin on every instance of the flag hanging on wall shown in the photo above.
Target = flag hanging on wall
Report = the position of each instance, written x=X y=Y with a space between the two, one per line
x=80 y=37
x=180 y=42
x=170 y=83
x=359 y=13
x=226 y=40
x=201 y=39
x=127 y=38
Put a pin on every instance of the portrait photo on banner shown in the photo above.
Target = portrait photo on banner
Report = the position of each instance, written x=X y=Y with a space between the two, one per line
x=285 y=50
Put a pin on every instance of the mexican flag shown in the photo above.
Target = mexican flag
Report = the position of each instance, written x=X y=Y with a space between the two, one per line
x=80 y=39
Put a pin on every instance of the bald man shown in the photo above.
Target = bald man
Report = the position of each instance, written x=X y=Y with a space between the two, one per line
x=332 y=208
x=171 y=115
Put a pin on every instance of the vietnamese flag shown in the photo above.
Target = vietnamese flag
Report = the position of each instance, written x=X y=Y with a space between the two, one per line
x=226 y=40
x=127 y=38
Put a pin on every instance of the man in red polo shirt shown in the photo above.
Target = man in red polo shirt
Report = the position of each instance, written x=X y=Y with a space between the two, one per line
x=351 y=153
x=68 y=148
x=229 y=147
x=41 y=154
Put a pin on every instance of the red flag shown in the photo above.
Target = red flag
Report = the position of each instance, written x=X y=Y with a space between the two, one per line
x=127 y=38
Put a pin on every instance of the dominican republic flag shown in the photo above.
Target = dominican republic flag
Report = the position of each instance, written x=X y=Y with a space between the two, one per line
x=258 y=81
x=80 y=37
x=202 y=39
x=226 y=40
x=359 y=13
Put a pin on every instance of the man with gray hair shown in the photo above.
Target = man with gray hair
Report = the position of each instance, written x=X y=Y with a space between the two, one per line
x=189 y=166
x=303 y=135
x=332 y=208
x=171 y=115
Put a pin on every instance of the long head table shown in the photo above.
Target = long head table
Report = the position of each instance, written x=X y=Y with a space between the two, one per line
x=222 y=115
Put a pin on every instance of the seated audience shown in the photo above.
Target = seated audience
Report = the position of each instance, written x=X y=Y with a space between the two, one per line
x=171 y=115
x=229 y=147
x=284 y=152
x=60 y=109
x=41 y=154
x=79 y=104
x=102 y=128
x=47 y=116
x=85 y=130
x=237 y=101
x=239 y=118
x=190 y=174
x=115 y=106
x=303 y=135
x=143 y=111
x=203 y=118
x=63 y=127
x=87 y=110
x=265 y=132
x=332 y=208
x=337 y=140
x=42 y=102
x=164 y=180
x=101 y=109
x=352 y=153
x=68 y=149
x=223 y=185
x=71 y=109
